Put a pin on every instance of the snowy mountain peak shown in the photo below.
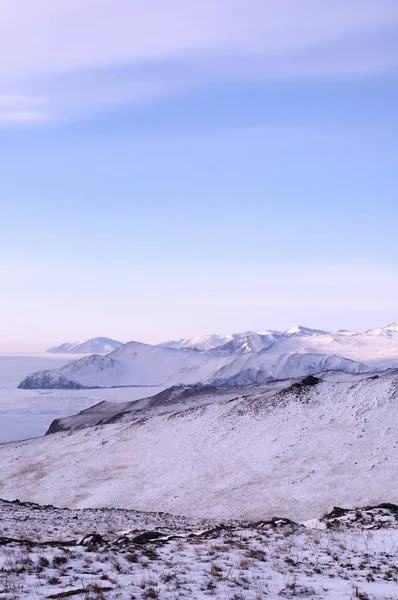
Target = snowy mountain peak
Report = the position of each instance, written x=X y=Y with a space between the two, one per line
x=346 y=332
x=305 y=331
x=391 y=328
x=98 y=345
x=388 y=330
x=247 y=344
x=204 y=342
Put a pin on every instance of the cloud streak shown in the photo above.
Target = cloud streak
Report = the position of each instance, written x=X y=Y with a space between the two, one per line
x=21 y=109
x=158 y=48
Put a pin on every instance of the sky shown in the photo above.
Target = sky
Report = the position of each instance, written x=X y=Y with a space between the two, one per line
x=170 y=169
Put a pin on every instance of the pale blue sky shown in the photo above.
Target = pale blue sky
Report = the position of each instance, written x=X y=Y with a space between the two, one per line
x=206 y=167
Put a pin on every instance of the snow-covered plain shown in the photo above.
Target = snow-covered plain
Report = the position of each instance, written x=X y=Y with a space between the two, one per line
x=28 y=413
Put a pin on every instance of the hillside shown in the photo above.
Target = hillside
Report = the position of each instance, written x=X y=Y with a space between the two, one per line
x=283 y=448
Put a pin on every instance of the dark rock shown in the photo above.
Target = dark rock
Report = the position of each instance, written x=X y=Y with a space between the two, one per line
x=302 y=385
x=147 y=536
x=93 y=540
x=336 y=513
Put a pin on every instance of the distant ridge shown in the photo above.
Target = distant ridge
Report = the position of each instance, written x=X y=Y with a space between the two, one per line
x=97 y=345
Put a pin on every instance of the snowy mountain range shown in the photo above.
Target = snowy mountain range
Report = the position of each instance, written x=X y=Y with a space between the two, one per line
x=208 y=342
x=244 y=359
x=98 y=345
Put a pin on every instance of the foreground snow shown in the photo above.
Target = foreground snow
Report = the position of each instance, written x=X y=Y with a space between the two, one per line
x=120 y=555
x=292 y=449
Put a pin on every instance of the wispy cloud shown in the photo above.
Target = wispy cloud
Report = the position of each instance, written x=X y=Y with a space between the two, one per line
x=163 y=47
x=21 y=109
x=20 y=116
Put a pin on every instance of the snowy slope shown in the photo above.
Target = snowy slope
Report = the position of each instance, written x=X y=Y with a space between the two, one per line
x=266 y=366
x=98 y=345
x=296 y=451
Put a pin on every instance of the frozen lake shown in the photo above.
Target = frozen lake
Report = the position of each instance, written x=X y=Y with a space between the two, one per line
x=28 y=413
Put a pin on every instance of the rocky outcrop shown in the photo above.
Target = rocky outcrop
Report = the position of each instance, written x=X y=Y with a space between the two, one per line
x=50 y=380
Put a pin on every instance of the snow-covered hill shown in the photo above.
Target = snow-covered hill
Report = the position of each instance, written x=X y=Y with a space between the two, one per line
x=98 y=345
x=266 y=366
x=282 y=448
